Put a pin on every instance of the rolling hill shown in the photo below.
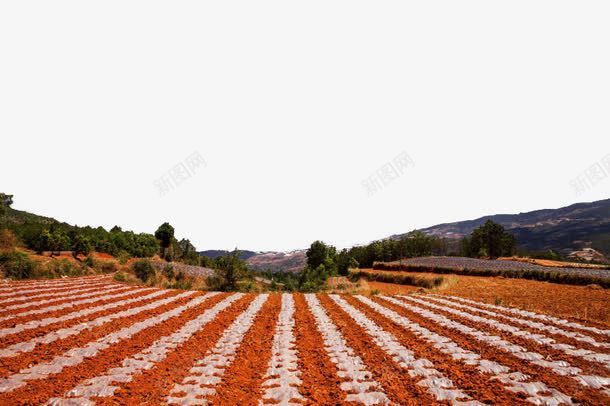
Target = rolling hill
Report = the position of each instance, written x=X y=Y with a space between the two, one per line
x=567 y=229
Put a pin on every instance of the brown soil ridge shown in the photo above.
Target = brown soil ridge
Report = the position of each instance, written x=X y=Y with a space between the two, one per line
x=241 y=382
x=567 y=385
x=549 y=353
x=45 y=352
x=465 y=377
x=155 y=385
x=318 y=373
x=39 y=391
x=399 y=387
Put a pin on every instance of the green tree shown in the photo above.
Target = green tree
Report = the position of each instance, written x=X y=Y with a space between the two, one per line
x=81 y=245
x=5 y=202
x=490 y=240
x=165 y=235
x=230 y=269
x=317 y=254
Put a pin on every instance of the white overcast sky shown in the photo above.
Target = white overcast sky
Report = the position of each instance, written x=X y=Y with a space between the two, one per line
x=294 y=104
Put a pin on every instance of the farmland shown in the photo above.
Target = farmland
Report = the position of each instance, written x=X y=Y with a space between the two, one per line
x=90 y=340
x=588 y=303
x=461 y=263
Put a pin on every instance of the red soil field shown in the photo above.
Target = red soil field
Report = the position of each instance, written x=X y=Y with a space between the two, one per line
x=580 y=303
x=90 y=340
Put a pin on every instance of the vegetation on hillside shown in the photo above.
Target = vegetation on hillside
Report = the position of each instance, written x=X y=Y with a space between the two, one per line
x=488 y=241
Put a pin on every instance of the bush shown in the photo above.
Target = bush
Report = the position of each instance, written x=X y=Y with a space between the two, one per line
x=123 y=256
x=17 y=265
x=64 y=267
x=405 y=279
x=106 y=267
x=120 y=277
x=168 y=271
x=8 y=241
x=143 y=269
x=89 y=261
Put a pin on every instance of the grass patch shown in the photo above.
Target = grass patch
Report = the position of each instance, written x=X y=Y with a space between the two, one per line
x=400 y=279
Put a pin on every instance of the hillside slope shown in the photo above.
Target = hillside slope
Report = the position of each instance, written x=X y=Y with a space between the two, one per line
x=565 y=229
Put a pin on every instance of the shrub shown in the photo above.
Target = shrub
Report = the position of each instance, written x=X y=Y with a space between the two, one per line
x=17 y=265
x=123 y=256
x=8 y=241
x=168 y=271
x=63 y=267
x=120 y=277
x=143 y=269
x=107 y=267
x=89 y=261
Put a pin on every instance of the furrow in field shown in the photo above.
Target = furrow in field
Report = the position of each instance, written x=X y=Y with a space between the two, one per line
x=570 y=350
x=489 y=346
x=153 y=386
x=242 y=380
x=76 y=356
x=43 y=352
x=49 y=283
x=85 y=299
x=358 y=384
x=107 y=384
x=573 y=337
x=55 y=296
x=33 y=324
x=533 y=315
x=486 y=374
x=469 y=337
x=438 y=385
x=76 y=294
x=283 y=376
x=14 y=298
x=208 y=372
x=559 y=367
x=45 y=287
x=63 y=333
x=318 y=373
x=56 y=385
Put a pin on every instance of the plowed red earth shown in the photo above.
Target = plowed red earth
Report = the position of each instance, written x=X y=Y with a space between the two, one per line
x=146 y=346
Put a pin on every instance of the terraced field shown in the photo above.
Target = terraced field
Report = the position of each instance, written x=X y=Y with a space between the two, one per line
x=460 y=263
x=92 y=341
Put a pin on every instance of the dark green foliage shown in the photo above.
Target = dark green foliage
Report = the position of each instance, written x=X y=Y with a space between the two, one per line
x=489 y=241
x=313 y=279
x=165 y=235
x=229 y=271
x=5 y=202
x=345 y=262
x=16 y=265
x=413 y=244
x=186 y=252
x=168 y=271
x=143 y=269
x=81 y=245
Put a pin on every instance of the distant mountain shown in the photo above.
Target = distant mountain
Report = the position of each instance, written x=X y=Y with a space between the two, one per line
x=278 y=261
x=268 y=260
x=243 y=254
x=567 y=229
